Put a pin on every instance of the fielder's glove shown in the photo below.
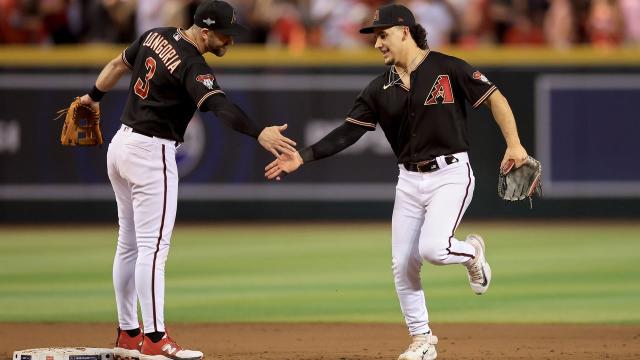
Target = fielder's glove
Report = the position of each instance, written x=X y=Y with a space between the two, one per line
x=519 y=183
x=81 y=125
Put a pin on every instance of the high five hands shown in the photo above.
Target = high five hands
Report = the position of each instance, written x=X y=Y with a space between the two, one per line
x=272 y=140
x=283 y=165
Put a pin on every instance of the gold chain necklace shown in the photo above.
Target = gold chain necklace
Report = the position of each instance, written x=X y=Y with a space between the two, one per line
x=402 y=72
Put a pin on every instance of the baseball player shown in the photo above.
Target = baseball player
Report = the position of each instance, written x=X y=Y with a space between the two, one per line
x=419 y=103
x=170 y=80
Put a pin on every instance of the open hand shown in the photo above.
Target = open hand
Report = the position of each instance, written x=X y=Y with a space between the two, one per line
x=284 y=164
x=273 y=141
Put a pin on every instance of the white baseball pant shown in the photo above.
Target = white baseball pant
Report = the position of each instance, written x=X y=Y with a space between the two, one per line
x=428 y=208
x=144 y=177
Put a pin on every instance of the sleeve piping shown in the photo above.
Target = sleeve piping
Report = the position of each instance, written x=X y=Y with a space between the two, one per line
x=361 y=123
x=485 y=96
x=205 y=96
x=124 y=60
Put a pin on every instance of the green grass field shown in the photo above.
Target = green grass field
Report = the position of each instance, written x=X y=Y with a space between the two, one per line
x=542 y=273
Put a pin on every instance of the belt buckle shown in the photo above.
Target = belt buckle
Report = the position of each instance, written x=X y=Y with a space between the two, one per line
x=427 y=166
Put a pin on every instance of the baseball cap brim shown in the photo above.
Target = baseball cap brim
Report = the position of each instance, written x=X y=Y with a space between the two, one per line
x=233 y=30
x=371 y=29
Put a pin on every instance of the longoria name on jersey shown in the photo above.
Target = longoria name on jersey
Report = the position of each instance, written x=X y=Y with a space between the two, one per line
x=165 y=51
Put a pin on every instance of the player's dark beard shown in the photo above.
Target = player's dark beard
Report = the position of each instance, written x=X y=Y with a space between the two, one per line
x=219 y=51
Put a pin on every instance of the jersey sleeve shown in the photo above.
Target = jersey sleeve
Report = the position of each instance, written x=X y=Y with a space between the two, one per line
x=475 y=86
x=363 y=111
x=129 y=54
x=200 y=83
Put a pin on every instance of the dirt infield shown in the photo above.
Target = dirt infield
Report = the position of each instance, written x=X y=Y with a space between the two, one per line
x=351 y=341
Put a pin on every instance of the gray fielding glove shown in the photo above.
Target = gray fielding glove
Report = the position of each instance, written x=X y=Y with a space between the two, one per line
x=519 y=183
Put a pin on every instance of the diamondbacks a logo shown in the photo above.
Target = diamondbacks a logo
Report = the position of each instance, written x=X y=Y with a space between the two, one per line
x=233 y=17
x=441 y=89
x=376 y=16
x=208 y=21
x=206 y=80
x=479 y=76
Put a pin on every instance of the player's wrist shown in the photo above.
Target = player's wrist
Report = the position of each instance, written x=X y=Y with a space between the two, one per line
x=306 y=155
x=96 y=94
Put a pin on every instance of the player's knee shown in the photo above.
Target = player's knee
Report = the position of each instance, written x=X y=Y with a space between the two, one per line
x=399 y=266
x=433 y=254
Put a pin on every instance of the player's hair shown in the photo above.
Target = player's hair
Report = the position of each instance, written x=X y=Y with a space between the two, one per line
x=419 y=35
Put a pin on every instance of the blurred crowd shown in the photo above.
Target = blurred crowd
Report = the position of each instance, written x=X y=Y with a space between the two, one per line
x=332 y=23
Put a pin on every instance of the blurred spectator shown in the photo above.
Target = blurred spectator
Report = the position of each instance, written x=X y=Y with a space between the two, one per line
x=179 y=13
x=149 y=14
x=297 y=24
x=54 y=19
x=437 y=17
x=286 y=25
x=111 y=21
x=526 y=27
x=504 y=14
x=20 y=22
x=341 y=20
x=560 y=24
x=631 y=16
x=604 y=24
x=477 y=23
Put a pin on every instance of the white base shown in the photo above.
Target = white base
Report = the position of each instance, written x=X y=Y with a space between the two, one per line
x=78 y=353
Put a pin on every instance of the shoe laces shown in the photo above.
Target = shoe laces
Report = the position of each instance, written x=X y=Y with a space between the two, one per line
x=475 y=271
x=420 y=340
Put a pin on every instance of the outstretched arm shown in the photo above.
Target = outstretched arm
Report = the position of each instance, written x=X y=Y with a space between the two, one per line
x=337 y=140
x=269 y=137
x=109 y=76
x=504 y=118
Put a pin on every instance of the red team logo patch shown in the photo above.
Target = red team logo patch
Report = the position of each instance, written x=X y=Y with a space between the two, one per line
x=206 y=80
x=479 y=76
x=441 y=90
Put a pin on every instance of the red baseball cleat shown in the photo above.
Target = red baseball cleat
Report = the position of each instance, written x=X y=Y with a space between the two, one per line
x=127 y=347
x=166 y=349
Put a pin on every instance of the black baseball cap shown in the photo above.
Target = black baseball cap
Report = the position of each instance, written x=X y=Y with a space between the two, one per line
x=218 y=16
x=388 y=16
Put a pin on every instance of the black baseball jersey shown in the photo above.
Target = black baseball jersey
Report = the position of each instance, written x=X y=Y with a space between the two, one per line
x=430 y=119
x=170 y=80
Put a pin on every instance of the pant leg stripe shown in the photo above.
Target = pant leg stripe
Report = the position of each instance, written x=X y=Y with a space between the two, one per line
x=455 y=225
x=155 y=255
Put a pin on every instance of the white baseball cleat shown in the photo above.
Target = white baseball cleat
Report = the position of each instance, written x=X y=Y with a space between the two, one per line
x=423 y=347
x=478 y=269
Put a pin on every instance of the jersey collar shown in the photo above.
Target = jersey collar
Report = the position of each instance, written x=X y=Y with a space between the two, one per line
x=424 y=57
x=184 y=36
x=419 y=62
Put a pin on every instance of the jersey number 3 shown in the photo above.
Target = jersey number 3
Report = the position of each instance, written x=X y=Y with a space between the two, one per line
x=142 y=87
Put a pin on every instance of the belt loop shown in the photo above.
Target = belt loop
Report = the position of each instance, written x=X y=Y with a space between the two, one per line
x=442 y=163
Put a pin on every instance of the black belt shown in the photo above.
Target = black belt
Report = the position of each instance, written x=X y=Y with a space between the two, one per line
x=428 y=166
x=141 y=132
x=147 y=134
